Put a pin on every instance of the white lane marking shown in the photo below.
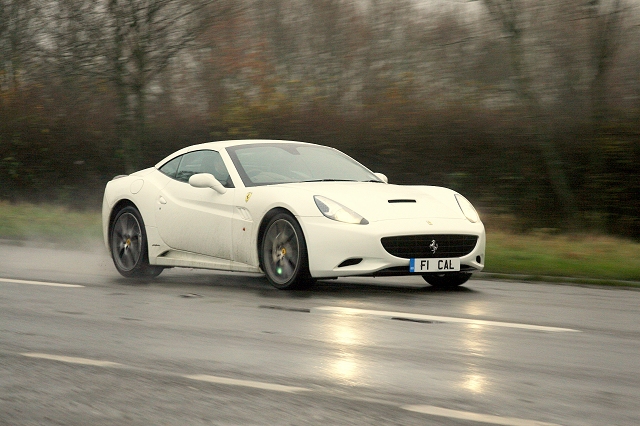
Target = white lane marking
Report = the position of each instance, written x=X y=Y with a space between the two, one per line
x=73 y=360
x=200 y=377
x=246 y=383
x=423 y=409
x=389 y=314
x=12 y=281
x=475 y=417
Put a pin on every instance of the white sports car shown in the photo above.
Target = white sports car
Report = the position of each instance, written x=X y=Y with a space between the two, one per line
x=291 y=210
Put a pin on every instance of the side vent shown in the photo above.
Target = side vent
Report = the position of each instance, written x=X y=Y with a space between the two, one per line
x=401 y=201
x=350 y=262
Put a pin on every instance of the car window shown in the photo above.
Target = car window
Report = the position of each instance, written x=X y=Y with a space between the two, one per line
x=171 y=167
x=268 y=164
x=204 y=161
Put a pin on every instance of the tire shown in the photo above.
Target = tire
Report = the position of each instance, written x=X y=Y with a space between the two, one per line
x=129 y=246
x=448 y=280
x=283 y=253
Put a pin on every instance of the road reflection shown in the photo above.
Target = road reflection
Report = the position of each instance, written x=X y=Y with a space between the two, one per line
x=345 y=368
x=347 y=332
x=474 y=344
x=475 y=308
x=351 y=337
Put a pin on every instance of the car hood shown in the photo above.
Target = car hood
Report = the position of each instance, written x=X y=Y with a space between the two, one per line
x=377 y=201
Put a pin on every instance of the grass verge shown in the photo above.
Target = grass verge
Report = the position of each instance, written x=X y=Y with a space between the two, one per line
x=538 y=256
x=47 y=223
x=580 y=256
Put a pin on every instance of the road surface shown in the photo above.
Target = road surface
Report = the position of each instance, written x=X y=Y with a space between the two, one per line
x=81 y=345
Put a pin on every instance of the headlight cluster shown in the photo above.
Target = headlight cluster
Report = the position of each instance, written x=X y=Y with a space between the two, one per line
x=467 y=209
x=337 y=211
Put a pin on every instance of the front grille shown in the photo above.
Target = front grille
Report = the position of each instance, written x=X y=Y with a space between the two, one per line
x=421 y=246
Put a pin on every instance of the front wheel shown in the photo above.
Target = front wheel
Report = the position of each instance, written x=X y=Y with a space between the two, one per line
x=128 y=243
x=283 y=253
x=447 y=280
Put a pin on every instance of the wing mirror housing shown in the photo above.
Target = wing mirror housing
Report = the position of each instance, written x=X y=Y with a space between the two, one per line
x=206 y=180
x=382 y=177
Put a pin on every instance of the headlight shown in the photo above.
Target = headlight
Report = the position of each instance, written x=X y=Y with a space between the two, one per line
x=337 y=211
x=467 y=209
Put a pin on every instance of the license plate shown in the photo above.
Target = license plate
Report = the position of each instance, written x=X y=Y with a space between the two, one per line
x=434 y=265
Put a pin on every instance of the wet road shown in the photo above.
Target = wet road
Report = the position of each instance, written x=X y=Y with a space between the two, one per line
x=200 y=347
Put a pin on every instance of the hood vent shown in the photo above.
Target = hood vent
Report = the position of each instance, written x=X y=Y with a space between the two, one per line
x=401 y=201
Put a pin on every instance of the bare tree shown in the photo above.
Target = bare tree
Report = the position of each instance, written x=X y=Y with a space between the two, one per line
x=511 y=16
x=18 y=28
x=143 y=36
x=606 y=18
x=129 y=43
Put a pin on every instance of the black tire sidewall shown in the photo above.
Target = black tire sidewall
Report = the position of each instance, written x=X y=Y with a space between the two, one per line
x=142 y=267
x=301 y=276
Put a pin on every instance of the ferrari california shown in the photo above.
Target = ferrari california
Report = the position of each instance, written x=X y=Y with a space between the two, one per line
x=294 y=211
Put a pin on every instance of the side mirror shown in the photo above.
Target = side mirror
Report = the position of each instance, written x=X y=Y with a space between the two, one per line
x=206 y=180
x=382 y=177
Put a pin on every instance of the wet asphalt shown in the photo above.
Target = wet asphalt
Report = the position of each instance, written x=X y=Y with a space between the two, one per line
x=195 y=347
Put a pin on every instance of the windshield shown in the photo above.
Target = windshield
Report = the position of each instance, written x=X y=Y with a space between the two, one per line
x=268 y=164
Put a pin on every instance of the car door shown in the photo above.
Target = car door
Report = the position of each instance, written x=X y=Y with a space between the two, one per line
x=197 y=220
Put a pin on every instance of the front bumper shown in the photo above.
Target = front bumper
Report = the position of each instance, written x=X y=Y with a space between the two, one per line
x=330 y=243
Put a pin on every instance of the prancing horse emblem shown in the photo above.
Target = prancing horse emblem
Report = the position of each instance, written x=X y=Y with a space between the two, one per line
x=433 y=246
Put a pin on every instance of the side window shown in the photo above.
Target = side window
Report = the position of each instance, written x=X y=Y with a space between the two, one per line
x=203 y=162
x=171 y=167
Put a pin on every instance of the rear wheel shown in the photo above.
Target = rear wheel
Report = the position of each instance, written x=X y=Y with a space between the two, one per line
x=284 y=253
x=447 y=280
x=128 y=243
